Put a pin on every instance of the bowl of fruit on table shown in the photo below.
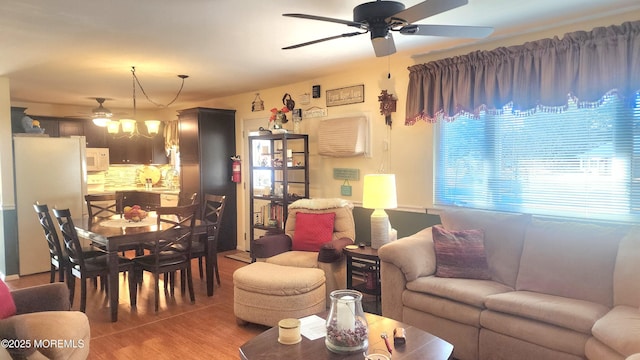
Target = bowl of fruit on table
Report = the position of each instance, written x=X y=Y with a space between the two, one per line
x=134 y=213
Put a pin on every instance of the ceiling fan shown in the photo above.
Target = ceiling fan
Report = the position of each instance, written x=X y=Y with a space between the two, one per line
x=101 y=115
x=381 y=17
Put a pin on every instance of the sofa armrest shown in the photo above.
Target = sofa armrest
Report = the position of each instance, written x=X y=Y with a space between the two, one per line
x=270 y=245
x=414 y=255
x=333 y=250
x=47 y=297
x=401 y=261
x=619 y=329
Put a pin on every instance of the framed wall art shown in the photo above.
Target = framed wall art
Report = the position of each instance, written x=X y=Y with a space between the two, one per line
x=346 y=95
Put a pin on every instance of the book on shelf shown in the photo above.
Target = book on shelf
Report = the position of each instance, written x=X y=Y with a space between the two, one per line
x=273 y=211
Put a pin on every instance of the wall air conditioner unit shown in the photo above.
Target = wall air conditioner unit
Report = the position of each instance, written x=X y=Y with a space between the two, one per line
x=345 y=137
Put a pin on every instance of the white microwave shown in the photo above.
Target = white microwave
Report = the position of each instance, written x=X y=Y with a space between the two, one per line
x=97 y=159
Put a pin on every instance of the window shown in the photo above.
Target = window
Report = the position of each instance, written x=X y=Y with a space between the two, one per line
x=578 y=162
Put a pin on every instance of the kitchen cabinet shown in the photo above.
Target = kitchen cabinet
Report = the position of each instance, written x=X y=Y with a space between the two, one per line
x=125 y=150
x=137 y=149
x=53 y=126
x=96 y=136
x=70 y=128
x=49 y=125
x=278 y=175
x=168 y=199
x=148 y=201
x=207 y=141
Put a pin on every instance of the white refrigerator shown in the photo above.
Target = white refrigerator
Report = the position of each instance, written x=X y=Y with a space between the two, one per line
x=52 y=171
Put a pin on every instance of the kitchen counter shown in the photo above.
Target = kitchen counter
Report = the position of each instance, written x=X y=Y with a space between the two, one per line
x=159 y=190
x=157 y=196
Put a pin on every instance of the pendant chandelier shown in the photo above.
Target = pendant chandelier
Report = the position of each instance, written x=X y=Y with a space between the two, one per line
x=129 y=127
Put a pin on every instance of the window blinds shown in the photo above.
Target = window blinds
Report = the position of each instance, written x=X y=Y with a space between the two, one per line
x=580 y=162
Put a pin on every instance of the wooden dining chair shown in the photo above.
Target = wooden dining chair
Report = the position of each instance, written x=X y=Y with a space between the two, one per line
x=103 y=205
x=107 y=205
x=187 y=199
x=57 y=254
x=183 y=199
x=212 y=210
x=57 y=257
x=84 y=268
x=171 y=250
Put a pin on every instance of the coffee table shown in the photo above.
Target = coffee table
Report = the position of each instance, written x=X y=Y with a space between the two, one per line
x=420 y=344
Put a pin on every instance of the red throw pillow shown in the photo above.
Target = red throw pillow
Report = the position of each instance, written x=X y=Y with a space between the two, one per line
x=460 y=254
x=312 y=230
x=7 y=306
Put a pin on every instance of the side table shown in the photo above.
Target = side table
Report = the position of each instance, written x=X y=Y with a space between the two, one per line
x=363 y=265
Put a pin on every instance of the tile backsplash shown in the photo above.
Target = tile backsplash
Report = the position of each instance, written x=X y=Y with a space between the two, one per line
x=128 y=176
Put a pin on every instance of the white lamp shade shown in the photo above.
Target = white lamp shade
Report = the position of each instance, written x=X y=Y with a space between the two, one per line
x=128 y=125
x=379 y=191
x=113 y=127
x=153 y=126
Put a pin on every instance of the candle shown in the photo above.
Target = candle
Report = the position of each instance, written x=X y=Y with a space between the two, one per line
x=289 y=331
x=346 y=317
x=289 y=153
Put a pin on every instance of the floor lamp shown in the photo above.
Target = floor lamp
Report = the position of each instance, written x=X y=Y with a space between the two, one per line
x=379 y=193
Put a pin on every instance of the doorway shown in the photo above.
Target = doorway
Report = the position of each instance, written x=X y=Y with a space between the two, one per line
x=248 y=125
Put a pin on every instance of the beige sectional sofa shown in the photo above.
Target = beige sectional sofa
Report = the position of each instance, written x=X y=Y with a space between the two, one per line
x=557 y=289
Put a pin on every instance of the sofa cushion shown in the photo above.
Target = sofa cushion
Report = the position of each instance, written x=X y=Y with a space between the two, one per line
x=503 y=238
x=626 y=287
x=570 y=259
x=7 y=305
x=302 y=259
x=472 y=292
x=620 y=329
x=271 y=279
x=312 y=231
x=439 y=307
x=577 y=315
x=460 y=254
x=564 y=343
x=595 y=349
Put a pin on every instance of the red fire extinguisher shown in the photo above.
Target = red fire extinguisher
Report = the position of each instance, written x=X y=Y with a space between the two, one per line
x=236 y=173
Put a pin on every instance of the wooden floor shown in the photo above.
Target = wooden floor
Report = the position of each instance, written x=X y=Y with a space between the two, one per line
x=204 y=330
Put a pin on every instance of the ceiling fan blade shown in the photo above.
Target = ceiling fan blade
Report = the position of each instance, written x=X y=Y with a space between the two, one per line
x=321 y=40
x=426 y=9
x=322 y=18
x=384 y=46
x=473 y=32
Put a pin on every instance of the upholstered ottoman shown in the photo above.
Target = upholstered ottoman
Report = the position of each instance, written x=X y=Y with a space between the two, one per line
x=267 y=293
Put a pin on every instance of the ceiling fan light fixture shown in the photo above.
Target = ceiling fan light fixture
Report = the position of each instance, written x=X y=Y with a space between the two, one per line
x=101 y=121
x=101 y=115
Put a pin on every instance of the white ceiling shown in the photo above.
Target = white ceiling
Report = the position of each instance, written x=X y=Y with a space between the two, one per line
x=68 y=51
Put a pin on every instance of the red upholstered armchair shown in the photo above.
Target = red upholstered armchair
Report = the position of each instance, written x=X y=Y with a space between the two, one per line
x=325 y=227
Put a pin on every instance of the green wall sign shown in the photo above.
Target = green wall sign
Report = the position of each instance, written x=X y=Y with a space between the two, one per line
x=346 y=174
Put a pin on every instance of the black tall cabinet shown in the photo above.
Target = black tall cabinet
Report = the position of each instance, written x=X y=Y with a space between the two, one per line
x=207 y=142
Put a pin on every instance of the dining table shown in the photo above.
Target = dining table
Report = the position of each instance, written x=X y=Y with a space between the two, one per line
x=114 y=233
